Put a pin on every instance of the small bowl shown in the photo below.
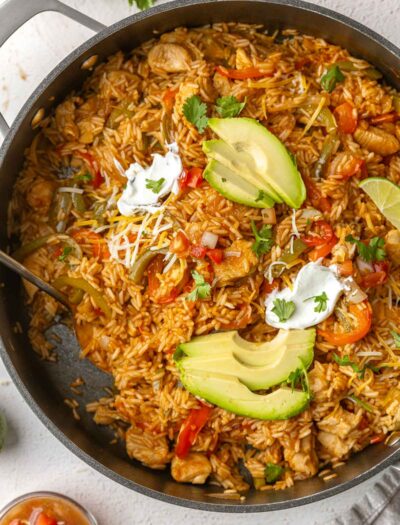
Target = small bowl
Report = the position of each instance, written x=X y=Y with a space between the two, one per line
x=86 y=515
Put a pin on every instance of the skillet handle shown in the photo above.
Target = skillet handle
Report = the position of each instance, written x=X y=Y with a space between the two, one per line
x=14 y=13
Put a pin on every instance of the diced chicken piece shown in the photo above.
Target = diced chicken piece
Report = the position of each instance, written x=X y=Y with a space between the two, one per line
x=194 y=468
x=335 y=446
x=236 y=266
x=186 y=90
x=392 y=245
x=151 y=450
x=222 y=85
x=168 y=58
x=325 y=388
x=40 y=195
x=340 y=422
x=242 y=60
x=305 y=461
x=65 y=120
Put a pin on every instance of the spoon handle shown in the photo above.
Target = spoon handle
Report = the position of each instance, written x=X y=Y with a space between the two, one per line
x=17 y=267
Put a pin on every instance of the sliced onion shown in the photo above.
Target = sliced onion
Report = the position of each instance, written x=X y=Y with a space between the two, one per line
x=232 y=254
x=269 y=215
x=209 y=240
x=35 y=515
x=310 y=213
x=353 y=291
x=364 y=266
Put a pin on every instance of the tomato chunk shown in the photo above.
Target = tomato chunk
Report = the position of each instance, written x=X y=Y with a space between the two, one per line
x=180 y=245
x=44 y=519
x=216 y=255
x=190 y=429
x=346 y=117
x=198 y=252
x=191 y=178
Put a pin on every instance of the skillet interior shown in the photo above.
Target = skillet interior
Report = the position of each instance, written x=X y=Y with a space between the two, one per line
x=45 y=385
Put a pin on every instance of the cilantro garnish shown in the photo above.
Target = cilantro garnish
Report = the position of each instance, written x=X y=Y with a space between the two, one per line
x=332 y=76
x=66 y=251
x=363 y=404
x=283 y=309
x=228 y=107
x=202 y=289
x=396 y=337
x=196 y=112
x=272 y=472
x=371 y=252
x=264 y=240
x=345 y=361
x=155 y=185
x=299 y=377
x=321 y=302
x=261 y=195
x=86 y=177
x=142 y=4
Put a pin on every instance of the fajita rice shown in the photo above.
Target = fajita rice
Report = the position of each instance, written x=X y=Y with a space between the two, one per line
x=129 y=109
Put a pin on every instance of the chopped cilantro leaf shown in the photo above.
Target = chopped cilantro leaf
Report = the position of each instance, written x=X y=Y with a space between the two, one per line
x=86 y=177
x=142 y=4
x=261 y=195
x=363 y=404
x=155 y=185
x=396 y=337
x=371 y=252
x=66 y=251
x=202 y=289
x=263 y=239
x=332 y=76
x=345 y=361
x=299 y=376
x=321 y=302
x=272 y=472
x=283 y=309
x=196 y=112
x=228 y=107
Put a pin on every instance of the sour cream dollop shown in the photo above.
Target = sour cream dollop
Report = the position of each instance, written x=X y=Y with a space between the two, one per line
x=138 y=194
x=311 y=281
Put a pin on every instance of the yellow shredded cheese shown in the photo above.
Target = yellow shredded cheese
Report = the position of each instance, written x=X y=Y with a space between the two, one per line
x=314 y=116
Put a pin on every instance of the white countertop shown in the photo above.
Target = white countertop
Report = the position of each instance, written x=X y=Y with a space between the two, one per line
x=32 y=458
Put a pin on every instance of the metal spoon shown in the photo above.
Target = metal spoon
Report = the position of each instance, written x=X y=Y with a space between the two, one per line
x=17 y=267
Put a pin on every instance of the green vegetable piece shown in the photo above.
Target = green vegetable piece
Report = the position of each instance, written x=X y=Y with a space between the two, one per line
x=66 y=251
x=273 y=472
x=371 y=252
x=141 y=264
x=363 y=404
x=155 y=185
x=142 y=4
x=86 y=177
x=202 y=289
x=195 y=112
x=79 y=202
x=332 y=76
x=288 y=256
x=396 y=338
x=30 y=247
x=283 y=309
x=264 y=240
x=229 y=106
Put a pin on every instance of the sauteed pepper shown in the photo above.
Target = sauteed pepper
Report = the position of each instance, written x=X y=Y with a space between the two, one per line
x=363 y=315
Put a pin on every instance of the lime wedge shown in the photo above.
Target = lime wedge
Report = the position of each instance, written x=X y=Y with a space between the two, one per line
x=386 y=196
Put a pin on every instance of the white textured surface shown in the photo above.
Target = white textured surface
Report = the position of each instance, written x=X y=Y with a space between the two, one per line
x=33 y=459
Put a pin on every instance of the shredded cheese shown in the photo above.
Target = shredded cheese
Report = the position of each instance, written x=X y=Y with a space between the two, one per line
x=314 y=116
x=295 y=230
x=68 y=189
x=170 y=263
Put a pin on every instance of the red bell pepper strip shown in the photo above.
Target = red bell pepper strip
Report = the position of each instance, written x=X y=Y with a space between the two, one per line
x=315 y=196
x=363 y=317
x=322 y=234
x=323 y=250
x=190 y=429
x=242 y=74
x=98 y=179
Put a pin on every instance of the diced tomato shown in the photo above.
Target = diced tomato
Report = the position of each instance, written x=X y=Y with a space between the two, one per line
x=387 y=117
x=190 y=429
x=57 y=252
x=364 y=423
x=323 y=250
x=216 y=255
x=346 y=268
x=315 y=196
x=197 y=251
x=44 y=519
x=377 y=439
x=92 y=241
x=322 y=233
x=180 y=245
x=363 y=314
x=243 y=74
x=352 y=167
x=97 y=179
x=169 y=99
x=346 y=117
x=377 y=277
x=191 y=178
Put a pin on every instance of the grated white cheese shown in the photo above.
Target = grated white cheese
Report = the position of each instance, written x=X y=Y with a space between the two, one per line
x=295 y=230
x=268 y=273
x=369 y=353
x=170 y=263
x=68 y=189
x=119 y=167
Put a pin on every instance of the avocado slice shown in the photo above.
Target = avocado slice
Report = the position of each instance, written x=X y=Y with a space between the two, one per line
x=270 y=364
x=241 y=162
x=230 y=394
x=270 y=157
x=248 y=353
x=234 y=187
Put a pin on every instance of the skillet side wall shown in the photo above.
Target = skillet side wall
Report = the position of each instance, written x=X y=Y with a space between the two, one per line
x=33 y=379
